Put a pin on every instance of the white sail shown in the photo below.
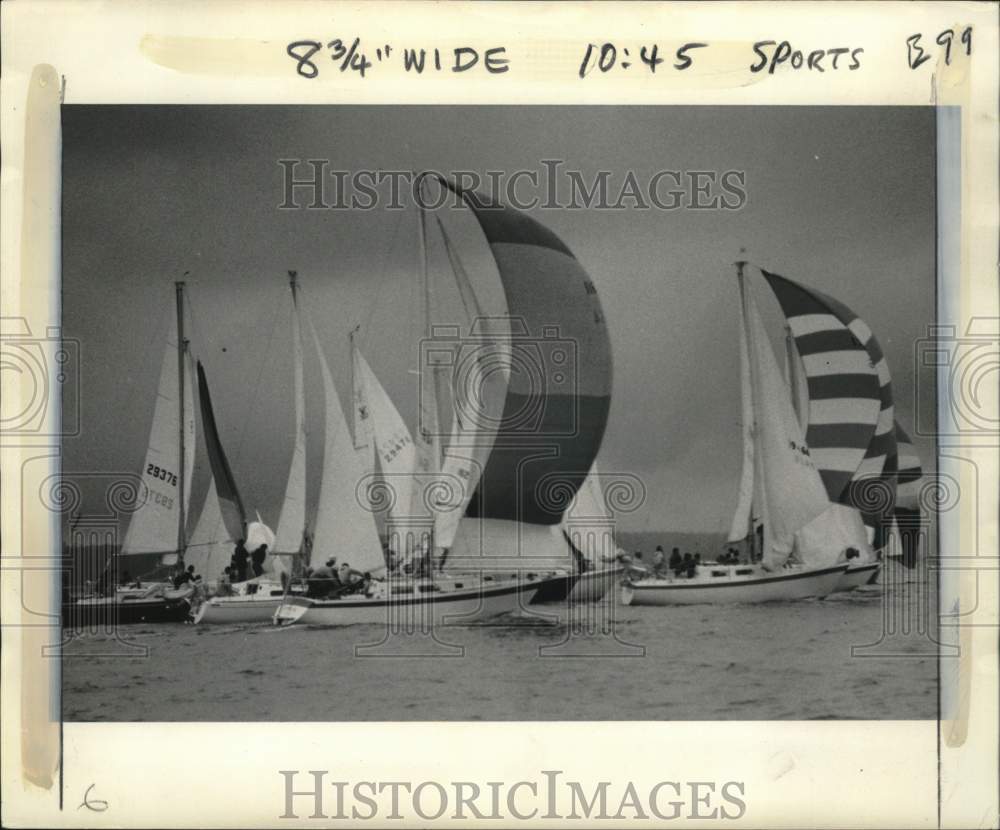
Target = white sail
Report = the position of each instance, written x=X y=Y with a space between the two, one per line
x=364 y=438
x=345 y=525
x=740 y=527
x=836 y=529
x=792 y=488
x=588 y=523
x=292 y=518
x=210 y=549
x=479 y=390
x=155 y=526
x=396 y=458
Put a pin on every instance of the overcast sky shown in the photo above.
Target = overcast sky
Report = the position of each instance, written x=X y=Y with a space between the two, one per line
x=841 y=199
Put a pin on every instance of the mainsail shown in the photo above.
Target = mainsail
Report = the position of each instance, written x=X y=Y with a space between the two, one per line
x=742 y=526
x=157 y=526
x=364 y=437
x=292 y=518
x=396 y=455
x=790 y=484
x=210 y=547
x=850 y=421
x=230 y=503
x=345 y=524
x=559 y=392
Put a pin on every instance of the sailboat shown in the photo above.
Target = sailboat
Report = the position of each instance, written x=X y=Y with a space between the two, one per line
x=523 y=438
x=482 y=522
x=256 y=599
x=157 y=528
x=387 y=446
x=782 y=501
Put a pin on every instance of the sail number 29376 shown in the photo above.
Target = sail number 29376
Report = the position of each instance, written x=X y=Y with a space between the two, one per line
x=161 y=474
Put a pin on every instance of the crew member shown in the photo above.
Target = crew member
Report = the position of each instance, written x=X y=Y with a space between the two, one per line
x=240 y=557
x=258 y=557
x=659 y=562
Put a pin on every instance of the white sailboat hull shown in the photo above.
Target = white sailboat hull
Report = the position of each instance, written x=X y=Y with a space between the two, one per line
x=243 y=606
x=857 y=575
x=251 y=609
x=735 y=584
x=423 y=608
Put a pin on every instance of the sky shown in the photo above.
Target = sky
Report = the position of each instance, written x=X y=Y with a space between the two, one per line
x=841 y=199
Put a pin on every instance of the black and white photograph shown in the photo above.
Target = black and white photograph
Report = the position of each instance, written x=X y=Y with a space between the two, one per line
x=539 y=414
x=499 y=413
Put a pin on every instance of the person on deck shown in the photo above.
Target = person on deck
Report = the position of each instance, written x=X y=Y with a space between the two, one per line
x=350 y=579
x=659 y=562
x=185 y=577
x=240 y=557
x=686 y=567
x=225 y=584
x=322 y=580
x=675 y=560
x=258 y=557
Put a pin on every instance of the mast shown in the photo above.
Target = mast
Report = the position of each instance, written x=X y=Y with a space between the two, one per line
x=353 y=425
x=293 y=282
x=429 y=457
x=741 y=281
x=182 y=346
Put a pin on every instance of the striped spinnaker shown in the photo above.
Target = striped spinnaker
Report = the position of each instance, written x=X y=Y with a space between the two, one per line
x=559 y=390
x=851 y=428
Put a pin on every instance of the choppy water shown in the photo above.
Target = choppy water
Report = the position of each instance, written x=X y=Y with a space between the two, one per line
x=776 y=661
